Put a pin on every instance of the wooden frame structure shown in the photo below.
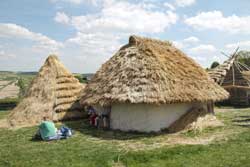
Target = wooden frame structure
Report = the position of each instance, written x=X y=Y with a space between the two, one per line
x=233 y=76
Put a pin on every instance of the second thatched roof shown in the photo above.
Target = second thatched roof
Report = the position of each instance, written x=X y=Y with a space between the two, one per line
x=151 y=71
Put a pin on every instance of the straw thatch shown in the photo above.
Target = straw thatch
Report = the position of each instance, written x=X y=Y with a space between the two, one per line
x=151 y=71
x=53 y=93
x=231 y=72
x=233 y=76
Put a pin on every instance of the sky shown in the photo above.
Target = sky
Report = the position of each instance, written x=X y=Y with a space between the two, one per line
x=86 y=33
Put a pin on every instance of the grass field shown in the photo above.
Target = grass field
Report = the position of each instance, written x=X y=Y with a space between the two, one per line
x=90 y=147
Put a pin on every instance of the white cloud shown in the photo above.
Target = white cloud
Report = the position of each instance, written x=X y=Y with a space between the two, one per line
x=100 y=34
x=4 y=55
x=201 y=49
x=70 y=1
x=95 y=49
x=61 y=17
x=217 y=21
x=191 y=39
x=169 y=6
x=184 y=3
x=122 y=16
x=242 y=45
x=178 y=44
x=187 y=42
x=15 y=31
x=97 y=43
x=77 y=2
x=205 y=54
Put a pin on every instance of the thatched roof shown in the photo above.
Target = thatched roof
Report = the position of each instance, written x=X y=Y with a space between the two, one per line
x=53 y=93
x=151 y=71
x=231 y=73
x=219 y=72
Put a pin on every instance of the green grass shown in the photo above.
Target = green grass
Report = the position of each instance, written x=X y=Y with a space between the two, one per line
x=3 y=114
x=9 y=100
x=27 y=78
x=232 y=153
x=91 y=147
x=80 y=78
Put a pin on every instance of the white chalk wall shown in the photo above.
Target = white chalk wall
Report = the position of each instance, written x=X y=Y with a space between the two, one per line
x=145 y=117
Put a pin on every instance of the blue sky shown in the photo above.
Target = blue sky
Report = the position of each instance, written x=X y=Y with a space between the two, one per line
x=86 y=33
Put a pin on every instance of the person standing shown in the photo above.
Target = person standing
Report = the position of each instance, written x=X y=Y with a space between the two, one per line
x=92 y=115
x=105 y=116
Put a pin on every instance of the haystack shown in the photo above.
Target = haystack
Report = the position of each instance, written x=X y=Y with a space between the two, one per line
x=53 y=93
x=149 y=84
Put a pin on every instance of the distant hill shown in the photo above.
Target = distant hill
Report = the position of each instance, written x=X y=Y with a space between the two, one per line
x=88 y=75
x=6 y=72
x=35 y=72
x=28 y=73
x=84 y=78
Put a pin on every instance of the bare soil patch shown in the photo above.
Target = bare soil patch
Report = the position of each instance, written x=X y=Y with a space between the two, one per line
x=9 y=89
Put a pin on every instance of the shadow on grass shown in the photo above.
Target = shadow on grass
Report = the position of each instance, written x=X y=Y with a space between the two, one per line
x=244 y=116
x=242 y=120
x=84 y=128
x=228 y=105
x=244 y=125
x=7 y=107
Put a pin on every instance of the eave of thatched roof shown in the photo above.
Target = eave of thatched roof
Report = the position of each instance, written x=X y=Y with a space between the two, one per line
x=236 y=86
x=151 y=71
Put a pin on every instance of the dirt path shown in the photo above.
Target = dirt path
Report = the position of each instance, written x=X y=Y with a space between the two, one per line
x=4 y=83
x=3 y=123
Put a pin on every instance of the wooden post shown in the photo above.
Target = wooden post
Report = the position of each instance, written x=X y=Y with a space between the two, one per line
x=210 y=107
x=233 y=74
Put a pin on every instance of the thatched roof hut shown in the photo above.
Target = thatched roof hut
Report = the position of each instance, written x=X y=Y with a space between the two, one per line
x=53 y=93
x=233 y=76
x=150 y=81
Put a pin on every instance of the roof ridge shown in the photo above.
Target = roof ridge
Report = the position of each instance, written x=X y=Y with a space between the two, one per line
x=136 y=40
